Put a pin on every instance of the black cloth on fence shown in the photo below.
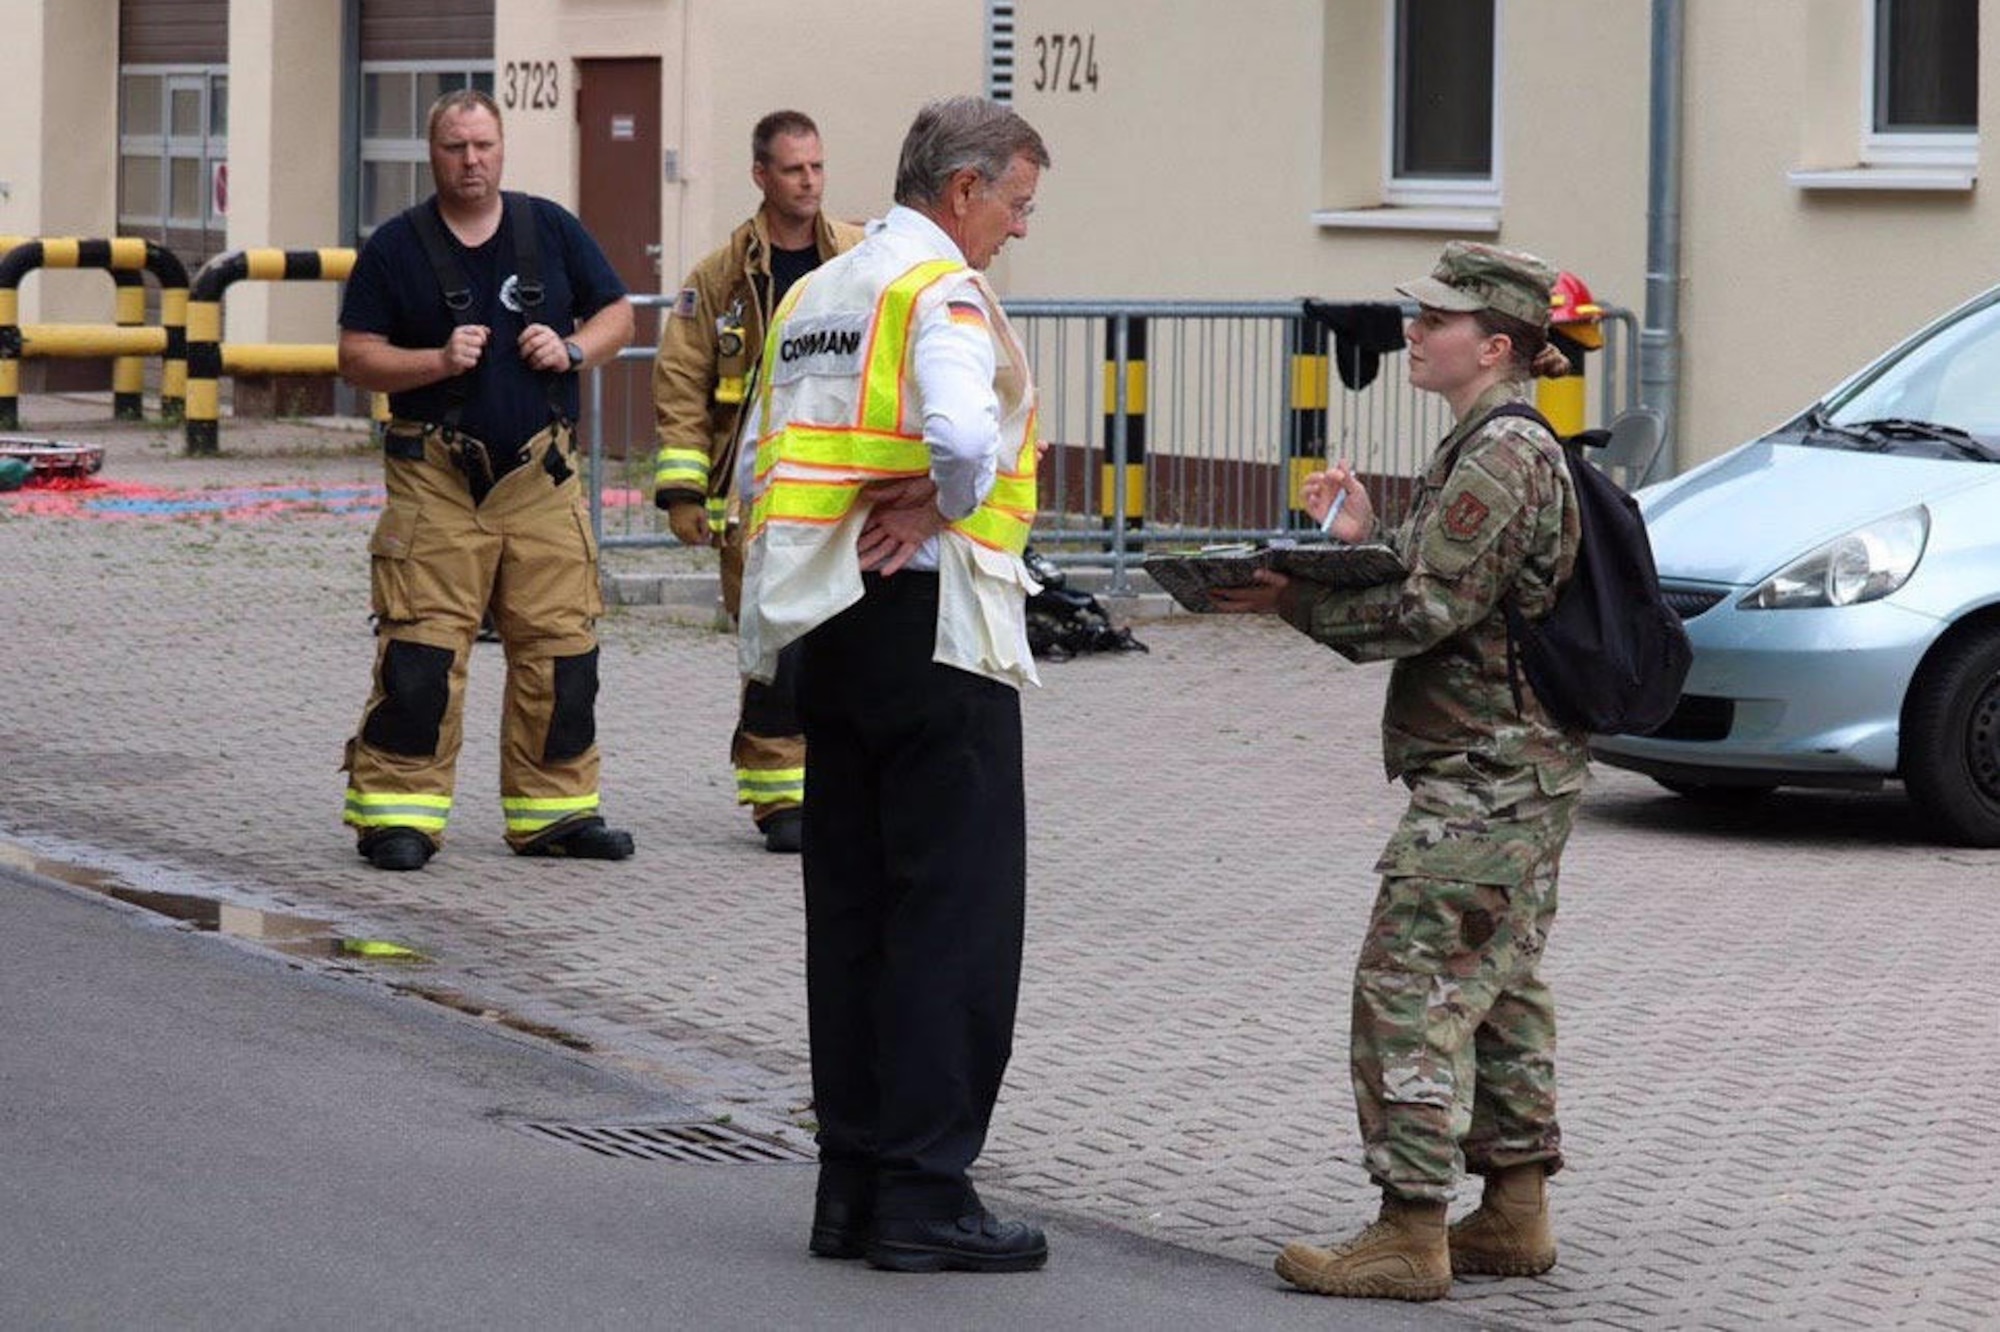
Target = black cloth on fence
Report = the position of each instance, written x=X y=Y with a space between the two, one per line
x=1362 y=331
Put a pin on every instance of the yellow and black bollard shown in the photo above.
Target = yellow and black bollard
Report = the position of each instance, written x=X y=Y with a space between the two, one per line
x=1305 y=414
x=127 y=341
x=1131 y=482
x=207 y=358
x=1575 y=327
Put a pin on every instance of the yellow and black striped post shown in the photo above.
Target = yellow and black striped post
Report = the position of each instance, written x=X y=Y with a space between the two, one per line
x=124 y=257
x=204 y=329
x=128 y=373
x=1124 y=366
x=1562 y=400
x=1305 y=415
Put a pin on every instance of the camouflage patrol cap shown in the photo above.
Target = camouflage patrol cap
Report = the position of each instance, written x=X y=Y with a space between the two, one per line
x=1470 y=276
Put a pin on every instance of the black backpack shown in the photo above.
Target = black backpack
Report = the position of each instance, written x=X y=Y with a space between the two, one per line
x=1611 y=656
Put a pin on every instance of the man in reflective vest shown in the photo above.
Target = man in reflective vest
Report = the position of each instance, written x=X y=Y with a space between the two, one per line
x=893 y=492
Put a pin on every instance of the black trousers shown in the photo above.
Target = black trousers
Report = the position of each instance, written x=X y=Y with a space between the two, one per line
x=915 y=881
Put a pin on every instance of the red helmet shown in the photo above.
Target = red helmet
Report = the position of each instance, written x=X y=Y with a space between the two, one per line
x=1574 y=313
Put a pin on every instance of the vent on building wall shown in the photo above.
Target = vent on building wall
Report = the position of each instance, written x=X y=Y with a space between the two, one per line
x=1000 y=51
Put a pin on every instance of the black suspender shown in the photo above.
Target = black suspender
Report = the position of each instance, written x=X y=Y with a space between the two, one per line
x=450 y=273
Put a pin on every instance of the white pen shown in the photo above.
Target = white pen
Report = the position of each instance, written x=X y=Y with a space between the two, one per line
x=1333 y=512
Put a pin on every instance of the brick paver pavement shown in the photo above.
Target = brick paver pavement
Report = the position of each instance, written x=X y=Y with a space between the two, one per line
x=1778 y=1021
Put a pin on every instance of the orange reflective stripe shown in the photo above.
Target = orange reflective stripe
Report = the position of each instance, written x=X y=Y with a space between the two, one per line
x=882 y=381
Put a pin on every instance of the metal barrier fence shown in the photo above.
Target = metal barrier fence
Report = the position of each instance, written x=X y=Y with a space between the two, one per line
x=1170 y=422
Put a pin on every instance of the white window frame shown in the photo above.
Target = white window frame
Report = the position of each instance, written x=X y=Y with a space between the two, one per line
x=211 y=150
x=416 y=149
x=1914 y=149
x=1432 y=191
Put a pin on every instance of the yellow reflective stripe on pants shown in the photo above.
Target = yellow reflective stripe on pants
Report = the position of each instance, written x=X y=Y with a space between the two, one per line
x=527 y=814
x=681 y=469
x=770 y=786
x=426 y=813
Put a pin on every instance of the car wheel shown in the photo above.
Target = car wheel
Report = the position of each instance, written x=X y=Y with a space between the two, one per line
x=1951 y=742
x=1715 y=793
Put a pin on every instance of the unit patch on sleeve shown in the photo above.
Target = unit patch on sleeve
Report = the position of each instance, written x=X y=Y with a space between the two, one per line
x=684 y=304
x=967 y=313
x=1464 y=515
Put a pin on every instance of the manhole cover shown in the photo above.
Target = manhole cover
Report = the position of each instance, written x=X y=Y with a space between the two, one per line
x=694 y=1144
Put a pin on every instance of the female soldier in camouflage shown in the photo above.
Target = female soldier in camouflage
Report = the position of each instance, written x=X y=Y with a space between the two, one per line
x=1453 y=1032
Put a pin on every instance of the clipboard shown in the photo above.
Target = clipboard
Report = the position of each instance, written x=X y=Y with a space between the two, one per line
x=1189 y=575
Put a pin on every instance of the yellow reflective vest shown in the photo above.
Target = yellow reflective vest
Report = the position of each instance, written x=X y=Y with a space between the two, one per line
x=852 y=414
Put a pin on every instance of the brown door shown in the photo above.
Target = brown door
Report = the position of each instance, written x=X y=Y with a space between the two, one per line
x=618 y=197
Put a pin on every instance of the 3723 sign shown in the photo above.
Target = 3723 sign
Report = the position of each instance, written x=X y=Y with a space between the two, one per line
x=528 y=85
x=1065 y=62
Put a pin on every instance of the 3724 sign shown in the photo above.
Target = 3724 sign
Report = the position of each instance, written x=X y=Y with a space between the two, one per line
x=1066 y=62
x=528 y=84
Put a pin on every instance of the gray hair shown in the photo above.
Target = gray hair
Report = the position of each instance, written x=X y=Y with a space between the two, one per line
x=955 y=133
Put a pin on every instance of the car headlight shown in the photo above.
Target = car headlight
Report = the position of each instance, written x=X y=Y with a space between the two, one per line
x=1871 y=561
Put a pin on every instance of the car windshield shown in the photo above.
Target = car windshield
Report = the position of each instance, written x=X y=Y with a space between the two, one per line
x=1940 y=397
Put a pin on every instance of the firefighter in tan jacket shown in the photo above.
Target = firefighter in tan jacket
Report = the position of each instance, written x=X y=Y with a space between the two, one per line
x=701 y=384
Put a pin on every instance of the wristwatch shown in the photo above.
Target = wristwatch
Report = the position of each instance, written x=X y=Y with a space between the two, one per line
x=575 y=356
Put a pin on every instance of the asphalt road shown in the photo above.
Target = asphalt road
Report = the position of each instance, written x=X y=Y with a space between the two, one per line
x=199 y=1134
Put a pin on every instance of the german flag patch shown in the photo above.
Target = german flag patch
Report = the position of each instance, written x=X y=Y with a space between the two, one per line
x=967 y=313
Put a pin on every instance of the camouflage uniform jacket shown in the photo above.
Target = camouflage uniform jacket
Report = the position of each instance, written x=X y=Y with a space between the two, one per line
x=1494 y=514
x=698 y=426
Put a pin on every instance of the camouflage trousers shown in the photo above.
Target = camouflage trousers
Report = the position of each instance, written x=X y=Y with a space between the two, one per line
x=1454 y=1034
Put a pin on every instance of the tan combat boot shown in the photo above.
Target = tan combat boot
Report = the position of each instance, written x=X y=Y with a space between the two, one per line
x=1403 y=1256
x=1509 y=1234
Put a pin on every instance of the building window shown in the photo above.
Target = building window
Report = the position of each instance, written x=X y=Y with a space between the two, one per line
x=173 y=146
x=1923 y=67
x=396 y=98
x=1441 y=124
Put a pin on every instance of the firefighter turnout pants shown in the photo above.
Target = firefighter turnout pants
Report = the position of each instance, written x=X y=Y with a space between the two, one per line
x=439 y=560
x=768 y=748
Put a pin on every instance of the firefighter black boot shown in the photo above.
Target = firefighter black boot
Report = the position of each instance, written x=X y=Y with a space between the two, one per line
x=582 y=839
x=396 y=849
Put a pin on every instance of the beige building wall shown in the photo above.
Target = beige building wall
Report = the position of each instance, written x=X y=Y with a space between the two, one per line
x=1789 y=289
x=58 y=172
x=860 y=70
x=1222 y=152
x=1215 y=134
x=284 y=154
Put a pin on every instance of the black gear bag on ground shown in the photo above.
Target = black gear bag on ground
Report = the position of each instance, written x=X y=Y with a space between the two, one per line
x=1611 y=656
x=1063 y=622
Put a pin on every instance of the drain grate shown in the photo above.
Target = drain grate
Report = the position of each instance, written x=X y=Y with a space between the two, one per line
x=691 y=1144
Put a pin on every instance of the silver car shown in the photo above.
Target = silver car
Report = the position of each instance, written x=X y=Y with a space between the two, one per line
x=1840 y=581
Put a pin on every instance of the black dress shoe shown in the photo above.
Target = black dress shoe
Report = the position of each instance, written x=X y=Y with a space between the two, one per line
x=585 y=839
x=840 y=1228
x=981 y=1242
x=396 y=849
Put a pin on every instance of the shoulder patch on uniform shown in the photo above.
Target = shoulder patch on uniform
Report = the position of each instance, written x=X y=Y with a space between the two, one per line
x=966 y=312
x=1464 y=514
x=685 y=303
